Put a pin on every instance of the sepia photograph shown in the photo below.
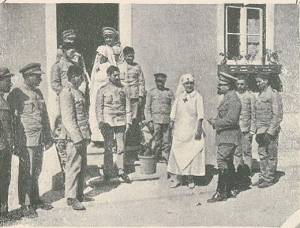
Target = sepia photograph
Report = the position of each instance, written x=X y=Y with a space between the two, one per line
x=150 y=113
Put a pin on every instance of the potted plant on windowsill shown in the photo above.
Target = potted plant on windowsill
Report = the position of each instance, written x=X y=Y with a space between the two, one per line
x=146 y=156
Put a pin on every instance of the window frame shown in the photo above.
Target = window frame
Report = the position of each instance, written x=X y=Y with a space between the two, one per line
x=243 y=31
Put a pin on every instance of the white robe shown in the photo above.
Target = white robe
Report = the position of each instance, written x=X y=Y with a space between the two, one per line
x=187 y=156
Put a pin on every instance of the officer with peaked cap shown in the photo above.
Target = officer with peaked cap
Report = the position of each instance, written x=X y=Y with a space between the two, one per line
x=228 y=134
x=269 y=114
x=6 y=140
x=158 y=106
x=33 y=135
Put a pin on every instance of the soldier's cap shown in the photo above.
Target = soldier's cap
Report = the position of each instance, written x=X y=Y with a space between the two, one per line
x=69 y=36
x=31 y=68
x=4 y=73
x=226 y=79
x=109 y=31
x=160 y=76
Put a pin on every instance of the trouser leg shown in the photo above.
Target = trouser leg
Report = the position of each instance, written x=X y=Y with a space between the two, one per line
x=272 y=150
x=25 y=179
x=37 y=164
x=73 y=168
x=263 y=157
x=157 y=140
x=166 y=141
x=108 y=135
x=5 y=176
x=81 y=175
x=119 y=134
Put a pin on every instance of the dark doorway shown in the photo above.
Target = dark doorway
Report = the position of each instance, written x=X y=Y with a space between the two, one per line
x=87 y=19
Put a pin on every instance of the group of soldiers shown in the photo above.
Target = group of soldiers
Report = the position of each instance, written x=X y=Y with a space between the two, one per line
x=241 y=115
x=25 y=127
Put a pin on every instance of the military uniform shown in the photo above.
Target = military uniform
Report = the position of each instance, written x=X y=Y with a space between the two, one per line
x=157 y=109
x=74 y=114
x=32 y=134
x=6 y=146
x=243 y=153
x=269 y=114
x=132 y=76
x=113 y=108
x=228 y=135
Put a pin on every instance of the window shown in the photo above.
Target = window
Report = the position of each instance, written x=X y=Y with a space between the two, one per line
x=245 y=33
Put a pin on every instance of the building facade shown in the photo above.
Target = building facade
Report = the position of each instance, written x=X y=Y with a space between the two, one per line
x=174 y=39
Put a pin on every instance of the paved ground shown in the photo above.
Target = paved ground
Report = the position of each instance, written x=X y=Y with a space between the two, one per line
x=152 y=203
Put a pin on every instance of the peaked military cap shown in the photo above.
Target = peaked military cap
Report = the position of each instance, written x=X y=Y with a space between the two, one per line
x=69 y=36
x=4 y=73
x=226 y=79
x=32 y=68
x=160 y=75
x=109 y=31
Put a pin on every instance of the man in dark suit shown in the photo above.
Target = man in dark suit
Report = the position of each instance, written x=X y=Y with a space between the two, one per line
x=228 y=135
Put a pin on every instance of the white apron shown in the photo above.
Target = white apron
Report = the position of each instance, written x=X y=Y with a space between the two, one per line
x=187 y=156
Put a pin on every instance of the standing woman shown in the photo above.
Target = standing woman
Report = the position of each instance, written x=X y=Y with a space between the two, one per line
x=106 y=56
x=187 y=156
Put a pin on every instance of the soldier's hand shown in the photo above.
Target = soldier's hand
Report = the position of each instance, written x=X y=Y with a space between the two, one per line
x=151 y=126
x=140 y=101
x=198 y=134
x=171 y=125
x=102 y=125
x=48 y=144
x=128 y=125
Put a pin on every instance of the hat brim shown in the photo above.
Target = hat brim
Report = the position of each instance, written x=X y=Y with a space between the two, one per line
x=6 y=76
x=37 y=72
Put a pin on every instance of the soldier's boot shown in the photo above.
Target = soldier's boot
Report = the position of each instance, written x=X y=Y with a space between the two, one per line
x=221 y=193
x=245 y=177
x=231 y=183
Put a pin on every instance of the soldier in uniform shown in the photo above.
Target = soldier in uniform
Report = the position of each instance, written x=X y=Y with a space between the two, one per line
x=33 y=135
x=269 y=114
x=132 y=76
x=114 y=119
x=157 y=112
x=70 y=57
x=6 y=140
x=74 y=114
x=228 y=134
x=243 y=153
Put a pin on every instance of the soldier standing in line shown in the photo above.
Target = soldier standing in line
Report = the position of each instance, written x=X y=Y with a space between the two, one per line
x=132 y=76
x=228 y=134
x=157 y=112
x=33 y=135
x=243 y=153
x=269 y=114
x=74 y=114
x=114 y=119
x=6 y=140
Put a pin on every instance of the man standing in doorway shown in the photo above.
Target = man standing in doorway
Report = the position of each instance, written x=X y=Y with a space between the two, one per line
x=132 y=76
x=243 y=153
x=269 y=114
x=33 y=135
x=228 y=134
